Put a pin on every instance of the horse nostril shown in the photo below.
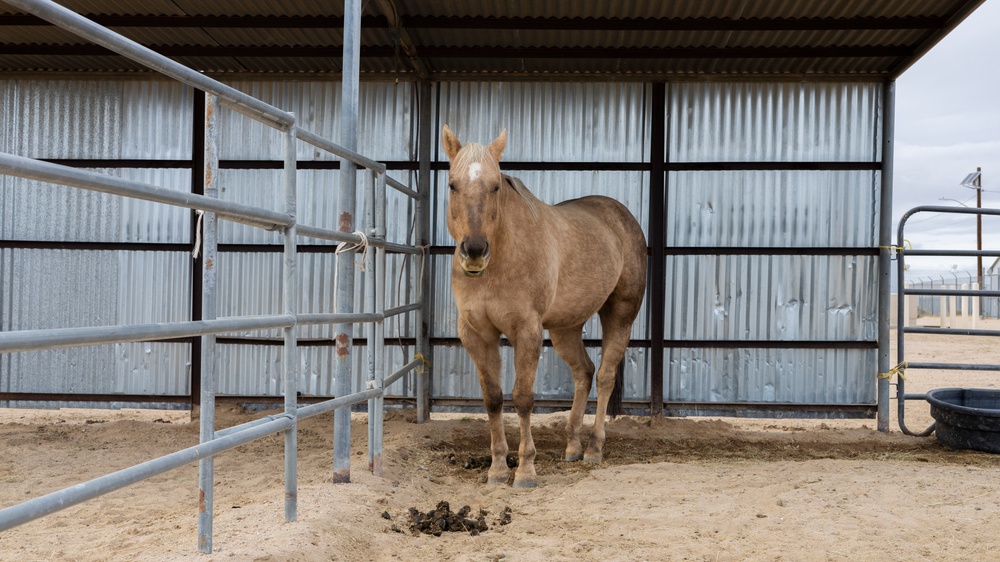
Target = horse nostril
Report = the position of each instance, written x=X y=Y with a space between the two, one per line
x=474 y=249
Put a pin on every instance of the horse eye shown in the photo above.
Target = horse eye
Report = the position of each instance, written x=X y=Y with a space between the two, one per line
x=452 y=187
x=496 y=188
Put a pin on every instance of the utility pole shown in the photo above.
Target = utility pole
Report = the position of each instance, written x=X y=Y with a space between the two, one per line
x=979 y=225
x=975 y=181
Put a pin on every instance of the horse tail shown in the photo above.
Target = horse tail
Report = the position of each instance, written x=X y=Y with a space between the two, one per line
x=615 y=402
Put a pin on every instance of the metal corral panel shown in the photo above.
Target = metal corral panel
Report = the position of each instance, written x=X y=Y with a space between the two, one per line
x=97 y=119
x=796 y=376
x=771 y=298
x=385 y=131
x=550 y=121
x=62 y=288
x=762 y=121
x=772 y=209
x=33 y=210
x=256 y=370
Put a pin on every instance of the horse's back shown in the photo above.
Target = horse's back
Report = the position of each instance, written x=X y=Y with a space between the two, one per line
x=598 y=211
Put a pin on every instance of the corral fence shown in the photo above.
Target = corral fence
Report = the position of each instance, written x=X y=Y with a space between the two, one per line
x=211 y=209
x=927 y=305
x=948 y=295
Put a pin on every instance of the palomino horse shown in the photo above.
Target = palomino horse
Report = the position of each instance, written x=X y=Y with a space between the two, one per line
x=522 y=266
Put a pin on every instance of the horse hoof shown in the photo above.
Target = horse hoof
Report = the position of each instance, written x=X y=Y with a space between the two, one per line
x=573 y=457
x=593 y=458
x=526 y=482
x=496 y=480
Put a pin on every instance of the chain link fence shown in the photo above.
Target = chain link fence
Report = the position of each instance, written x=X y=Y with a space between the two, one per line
x=931 y=305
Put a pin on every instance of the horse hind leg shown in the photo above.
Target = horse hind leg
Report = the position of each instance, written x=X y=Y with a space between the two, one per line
x=616 y=321
x=569 y=345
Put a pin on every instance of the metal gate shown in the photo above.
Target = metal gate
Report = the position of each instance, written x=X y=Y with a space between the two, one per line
x=901 y=329
x=211 y=209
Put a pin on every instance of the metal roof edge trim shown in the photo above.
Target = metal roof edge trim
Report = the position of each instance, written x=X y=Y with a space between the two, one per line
x=935 y=37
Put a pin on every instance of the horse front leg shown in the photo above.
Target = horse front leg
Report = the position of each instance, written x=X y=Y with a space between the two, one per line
x=527 y=348
x=484 y=349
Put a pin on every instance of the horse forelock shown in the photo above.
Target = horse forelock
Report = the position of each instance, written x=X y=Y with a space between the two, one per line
x=473 y=161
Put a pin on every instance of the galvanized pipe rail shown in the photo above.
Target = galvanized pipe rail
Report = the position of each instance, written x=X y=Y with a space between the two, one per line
x=214 y=442
x=902 y=292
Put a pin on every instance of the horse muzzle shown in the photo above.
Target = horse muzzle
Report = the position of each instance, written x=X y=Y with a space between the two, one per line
x=475 y=267
x=474 y=256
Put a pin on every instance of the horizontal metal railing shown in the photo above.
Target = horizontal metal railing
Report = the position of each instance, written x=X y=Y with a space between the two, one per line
x=217 y=441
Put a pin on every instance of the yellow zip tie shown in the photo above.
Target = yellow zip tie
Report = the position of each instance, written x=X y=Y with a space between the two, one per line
x=897 y=370
x=426 y=364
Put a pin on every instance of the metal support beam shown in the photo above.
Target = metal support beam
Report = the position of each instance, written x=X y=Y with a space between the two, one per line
x=425 y=316
x=885 y=255
x=402 y=37
x=197 y=267
x=657 y=241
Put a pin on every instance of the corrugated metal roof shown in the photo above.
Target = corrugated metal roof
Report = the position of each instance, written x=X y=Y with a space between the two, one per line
x=457 y=39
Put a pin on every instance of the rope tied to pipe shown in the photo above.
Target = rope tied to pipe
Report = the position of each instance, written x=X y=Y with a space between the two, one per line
x=197 y=234
x=424 y=367
x=364 y=245
x=344 y=247
x=898 y=370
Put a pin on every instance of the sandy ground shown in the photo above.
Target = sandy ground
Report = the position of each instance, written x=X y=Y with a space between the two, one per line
x=680 y=489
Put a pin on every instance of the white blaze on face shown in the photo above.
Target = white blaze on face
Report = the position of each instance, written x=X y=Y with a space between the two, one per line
x=474 y=170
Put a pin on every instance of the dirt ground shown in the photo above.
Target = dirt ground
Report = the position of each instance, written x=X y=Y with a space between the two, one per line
x=680 y=489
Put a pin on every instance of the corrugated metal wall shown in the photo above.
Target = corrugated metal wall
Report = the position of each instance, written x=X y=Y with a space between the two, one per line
x=757 y=297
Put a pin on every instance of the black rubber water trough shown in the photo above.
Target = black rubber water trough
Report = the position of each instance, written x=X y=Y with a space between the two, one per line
x=967 y=418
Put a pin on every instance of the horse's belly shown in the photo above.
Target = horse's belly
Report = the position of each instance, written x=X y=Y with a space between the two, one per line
x=566 y=313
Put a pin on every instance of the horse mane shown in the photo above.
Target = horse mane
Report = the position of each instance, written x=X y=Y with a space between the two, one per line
x=521 y=190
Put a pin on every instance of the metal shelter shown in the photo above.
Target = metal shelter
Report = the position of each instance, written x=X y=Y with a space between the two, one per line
x=724 y=69
x=671 y=101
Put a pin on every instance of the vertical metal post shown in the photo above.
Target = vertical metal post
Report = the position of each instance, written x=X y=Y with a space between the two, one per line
x=345 y=264
x=380 y=368
x=423 y=240
x=209 y=250
x=657 y=242
x=290 y=295
x=885 y=251
x=369 y=214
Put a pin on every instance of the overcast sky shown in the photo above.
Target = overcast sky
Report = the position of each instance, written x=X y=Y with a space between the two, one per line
x=947 y=124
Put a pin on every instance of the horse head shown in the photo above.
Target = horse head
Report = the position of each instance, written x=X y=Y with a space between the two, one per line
x=474 y=198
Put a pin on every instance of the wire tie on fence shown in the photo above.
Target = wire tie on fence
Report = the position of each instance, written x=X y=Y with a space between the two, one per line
x=364 y=245
x=897 y=370
x=424 y=250
x=197 y=234
x=425 y=366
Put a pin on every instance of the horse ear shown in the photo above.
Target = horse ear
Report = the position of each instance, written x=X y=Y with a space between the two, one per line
x=496 y=147
x=450 y=142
